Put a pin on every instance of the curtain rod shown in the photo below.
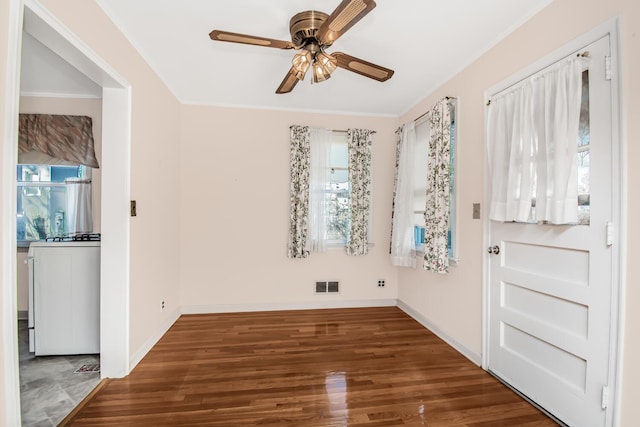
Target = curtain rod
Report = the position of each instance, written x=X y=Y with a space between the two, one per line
x=336 y=130
x=345 y=131
x=448 y=98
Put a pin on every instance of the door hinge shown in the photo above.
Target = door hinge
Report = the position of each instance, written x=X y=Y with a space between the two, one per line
x=609 y=233
x=605 y=397
x=607 y=67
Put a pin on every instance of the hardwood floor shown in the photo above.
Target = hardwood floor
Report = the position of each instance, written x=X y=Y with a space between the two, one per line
x=369 y=367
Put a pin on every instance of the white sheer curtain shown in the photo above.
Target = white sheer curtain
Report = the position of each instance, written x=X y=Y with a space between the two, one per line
x=319 y=178
x=403 y=253
x=79 y=219
x=533 y=134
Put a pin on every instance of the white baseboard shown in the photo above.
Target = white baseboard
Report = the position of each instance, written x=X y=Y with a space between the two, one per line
x=309 y=305
x=153 y=339
x=476 y=358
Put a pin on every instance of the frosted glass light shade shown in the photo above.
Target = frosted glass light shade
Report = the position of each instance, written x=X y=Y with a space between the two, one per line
x=323 y=66
x=301 y=63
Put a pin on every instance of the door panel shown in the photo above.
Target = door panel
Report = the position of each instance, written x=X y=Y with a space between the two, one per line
x=550 y=288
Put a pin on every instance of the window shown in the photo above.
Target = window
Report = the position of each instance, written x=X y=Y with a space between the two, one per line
x=328 y=204
x=420 y=180
x=42 y=199
x=338 y=191
x=584 y=155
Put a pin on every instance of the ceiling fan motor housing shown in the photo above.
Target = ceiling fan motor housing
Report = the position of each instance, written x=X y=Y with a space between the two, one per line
x=304 y=26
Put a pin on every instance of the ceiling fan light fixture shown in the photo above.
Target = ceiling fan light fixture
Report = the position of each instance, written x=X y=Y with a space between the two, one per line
x=328 y=62
x=323 y=65
x=320 y=73
x=301 y=63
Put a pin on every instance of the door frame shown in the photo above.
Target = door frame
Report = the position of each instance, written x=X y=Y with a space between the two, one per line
x=619 y=177
x=116 y=178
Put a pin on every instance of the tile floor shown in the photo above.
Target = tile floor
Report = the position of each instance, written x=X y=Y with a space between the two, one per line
x=49 y=389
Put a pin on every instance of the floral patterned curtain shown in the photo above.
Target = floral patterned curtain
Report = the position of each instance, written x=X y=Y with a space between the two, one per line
x=436 y=250
x=299 y=191
x=360 y=142
x=68 y=138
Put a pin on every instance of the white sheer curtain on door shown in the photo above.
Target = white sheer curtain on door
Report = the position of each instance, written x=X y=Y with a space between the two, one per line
x=533 y=134
x=79 y=218
x=403 y=245
x=319 y=179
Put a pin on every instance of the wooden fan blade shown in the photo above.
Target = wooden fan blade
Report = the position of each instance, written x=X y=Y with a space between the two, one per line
x=289 y=82
x=344 y=17
x=226 y=36
x=362 y=67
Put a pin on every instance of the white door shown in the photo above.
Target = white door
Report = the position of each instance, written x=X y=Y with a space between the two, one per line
x=550 y=287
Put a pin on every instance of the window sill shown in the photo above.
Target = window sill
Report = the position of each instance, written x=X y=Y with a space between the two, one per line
x=334 y=246
x=453 y=262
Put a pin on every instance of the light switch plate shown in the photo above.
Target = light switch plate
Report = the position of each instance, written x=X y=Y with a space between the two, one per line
x=476 y=211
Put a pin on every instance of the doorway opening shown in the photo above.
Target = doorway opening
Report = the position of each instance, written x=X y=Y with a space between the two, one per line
x=114 y=263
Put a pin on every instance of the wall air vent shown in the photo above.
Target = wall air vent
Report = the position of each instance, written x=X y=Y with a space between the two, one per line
x=321 y=287
x=327 y=286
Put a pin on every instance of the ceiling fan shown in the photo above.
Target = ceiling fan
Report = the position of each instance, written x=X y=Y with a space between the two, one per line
x=312 y=32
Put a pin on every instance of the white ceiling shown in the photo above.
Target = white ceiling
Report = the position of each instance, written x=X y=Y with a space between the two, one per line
x=425 y=41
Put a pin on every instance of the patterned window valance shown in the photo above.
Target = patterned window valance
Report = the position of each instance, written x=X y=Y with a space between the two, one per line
x=66 y=138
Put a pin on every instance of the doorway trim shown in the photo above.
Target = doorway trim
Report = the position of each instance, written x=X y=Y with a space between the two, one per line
x=619 y=179
x=116 y=178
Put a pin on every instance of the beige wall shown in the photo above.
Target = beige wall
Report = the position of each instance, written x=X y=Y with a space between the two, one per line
x=235 y=213
x=454 y=302
x=73 y=106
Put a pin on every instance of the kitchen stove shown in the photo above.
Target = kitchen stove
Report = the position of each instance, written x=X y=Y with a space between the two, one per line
x=84 y=237
x=64 y=295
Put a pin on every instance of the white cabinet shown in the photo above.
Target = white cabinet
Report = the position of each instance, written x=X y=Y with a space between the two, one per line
x=64 y=298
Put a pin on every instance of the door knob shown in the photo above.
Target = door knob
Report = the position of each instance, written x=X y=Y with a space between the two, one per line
x=494 y=249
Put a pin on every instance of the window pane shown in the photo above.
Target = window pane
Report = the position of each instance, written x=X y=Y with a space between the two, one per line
x=41 y=212
x=48 y=173
x=338 y=193
x=339 y=178
x=339 y=157
x=42 y=199
x=584 y=156
x=584 y=134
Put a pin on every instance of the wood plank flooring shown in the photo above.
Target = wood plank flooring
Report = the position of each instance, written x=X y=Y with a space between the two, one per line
x=372 y=367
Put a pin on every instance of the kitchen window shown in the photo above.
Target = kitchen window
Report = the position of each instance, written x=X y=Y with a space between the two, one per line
x=42 y=200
